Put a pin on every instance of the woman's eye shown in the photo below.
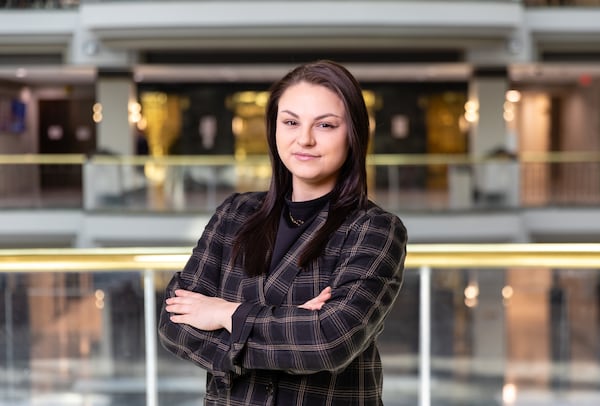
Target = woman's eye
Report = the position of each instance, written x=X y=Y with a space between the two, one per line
x=290 y=122
x=326 y=125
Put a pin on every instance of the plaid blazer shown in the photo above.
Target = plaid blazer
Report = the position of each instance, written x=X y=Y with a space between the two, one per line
x=277 y=353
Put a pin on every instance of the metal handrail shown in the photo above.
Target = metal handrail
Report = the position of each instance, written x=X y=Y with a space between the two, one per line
x=575 y=255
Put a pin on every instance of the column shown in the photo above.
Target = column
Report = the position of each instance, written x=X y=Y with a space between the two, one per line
x=111 y=182
x=487 y=93
x=496 y=178
x=114 y=91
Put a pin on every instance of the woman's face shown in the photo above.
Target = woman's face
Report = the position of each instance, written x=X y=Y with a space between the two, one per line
x=312 y=138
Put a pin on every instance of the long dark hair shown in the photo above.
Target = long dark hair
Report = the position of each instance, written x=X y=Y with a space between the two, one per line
x=350 y=191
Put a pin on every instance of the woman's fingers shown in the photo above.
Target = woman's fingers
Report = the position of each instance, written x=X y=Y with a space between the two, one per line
x=326 y=293
x=317 y=302
x=200 y=311
x=185 y=297
x=186 y=293
x=183 y=302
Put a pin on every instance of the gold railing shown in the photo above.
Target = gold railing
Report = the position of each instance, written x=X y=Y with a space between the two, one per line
x=552 y=255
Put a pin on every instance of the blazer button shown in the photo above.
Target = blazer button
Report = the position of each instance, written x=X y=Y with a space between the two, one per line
x=269 y=388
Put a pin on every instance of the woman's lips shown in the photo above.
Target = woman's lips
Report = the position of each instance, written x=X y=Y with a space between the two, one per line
x=304 y=156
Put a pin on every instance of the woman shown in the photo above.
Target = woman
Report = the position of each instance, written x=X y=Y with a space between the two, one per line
x=285 y=293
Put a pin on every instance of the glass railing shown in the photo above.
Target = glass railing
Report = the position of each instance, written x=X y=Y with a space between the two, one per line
x=473 y=325
x=198 y=183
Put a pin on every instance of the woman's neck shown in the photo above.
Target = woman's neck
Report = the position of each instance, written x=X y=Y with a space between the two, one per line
x=303 y=194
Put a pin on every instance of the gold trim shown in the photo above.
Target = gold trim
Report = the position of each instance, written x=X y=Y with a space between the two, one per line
x=29 y=159
x=439 y=256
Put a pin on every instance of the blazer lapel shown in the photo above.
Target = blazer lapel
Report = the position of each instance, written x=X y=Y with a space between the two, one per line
x=278 y=282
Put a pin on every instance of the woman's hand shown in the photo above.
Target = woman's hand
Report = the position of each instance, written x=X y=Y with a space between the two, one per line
x=200 y=311
x=317 y=302
x=213 y=313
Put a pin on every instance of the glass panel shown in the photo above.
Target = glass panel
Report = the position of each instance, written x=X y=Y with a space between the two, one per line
x=180 y=382
x=515 y=336
x=553 y=335
x=399 y=346
x=164 y=186
x=40 y=185
x=72 y=339
x=467 y=337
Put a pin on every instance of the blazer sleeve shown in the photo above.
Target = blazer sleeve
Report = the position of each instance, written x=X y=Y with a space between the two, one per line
x=200 y=274
x=365 y=284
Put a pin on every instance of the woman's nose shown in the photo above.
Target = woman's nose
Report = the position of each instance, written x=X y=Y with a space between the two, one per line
x=306 y=137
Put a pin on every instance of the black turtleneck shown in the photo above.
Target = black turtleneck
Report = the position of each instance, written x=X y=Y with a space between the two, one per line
x=294 y=220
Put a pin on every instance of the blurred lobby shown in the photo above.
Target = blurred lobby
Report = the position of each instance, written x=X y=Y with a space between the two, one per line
x=123 y=124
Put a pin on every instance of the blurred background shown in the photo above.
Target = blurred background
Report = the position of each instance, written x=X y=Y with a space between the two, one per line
x=125 y=123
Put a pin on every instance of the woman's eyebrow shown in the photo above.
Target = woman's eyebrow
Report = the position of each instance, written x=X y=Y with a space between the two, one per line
x=290 y=113
x=322 y=116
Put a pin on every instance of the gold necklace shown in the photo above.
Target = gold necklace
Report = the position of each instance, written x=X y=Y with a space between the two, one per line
x=297 y=222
